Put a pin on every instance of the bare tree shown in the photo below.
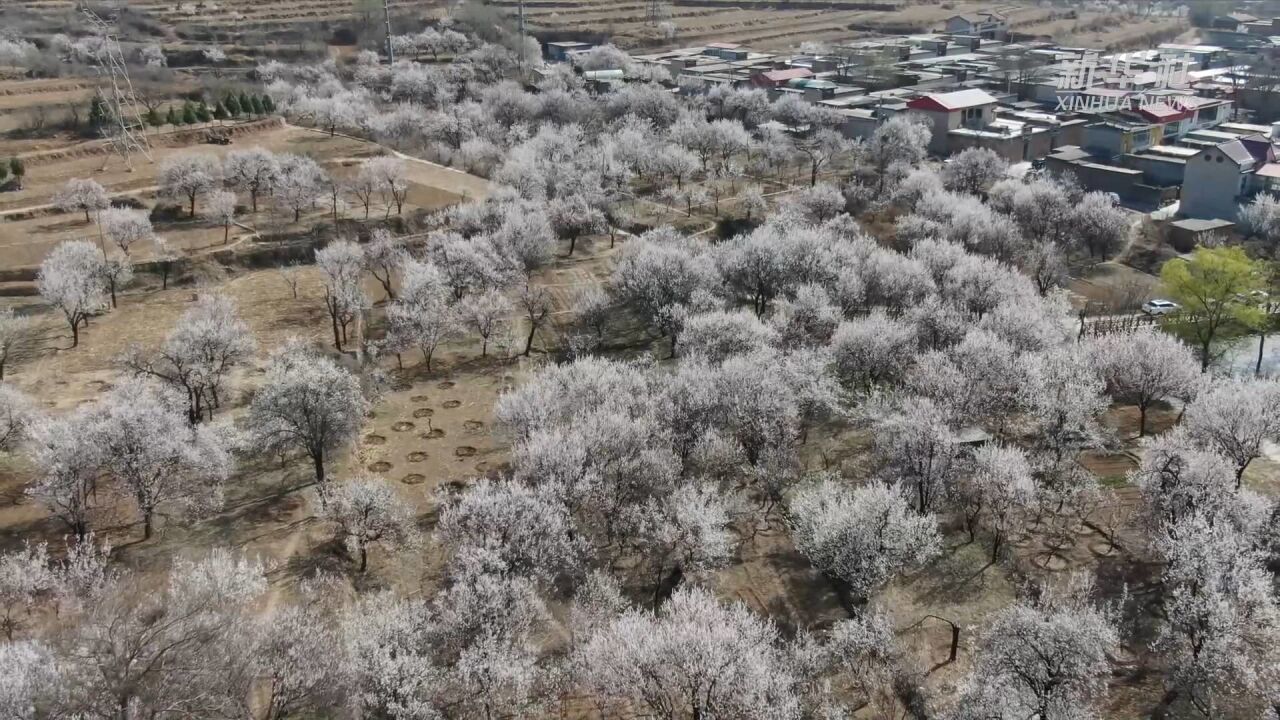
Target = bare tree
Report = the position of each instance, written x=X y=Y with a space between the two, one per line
x=536 y=303
x=221 y=208
x=387 y=175
x=343 y=265
x=14 y=332
x=384 y=254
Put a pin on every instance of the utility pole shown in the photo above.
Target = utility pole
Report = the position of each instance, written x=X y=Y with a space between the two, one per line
x=386 y=15
x=520 y=50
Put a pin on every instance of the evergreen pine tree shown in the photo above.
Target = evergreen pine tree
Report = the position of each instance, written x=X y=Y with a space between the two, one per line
x=171 y=117
x=219 y=112
x=188 y=113
x=268 y=104
x=245 y=105
x=257 y=105
x=16 y=167
x=202 y=112
x=233 y=105
x=99 y=114
x=153 y=118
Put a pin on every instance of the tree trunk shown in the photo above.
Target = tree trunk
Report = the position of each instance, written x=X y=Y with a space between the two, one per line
x=573 y=242
x=75 y=333
x=317 y=461
x=1262 y=341
x=112 y=286
x=253 y=198
x=364 y=558
x=484 y=352
x=226 y=232
x=86 y=216
x=528 y=345
x=1142 y=420
x=193 y=205
x=337 y=339
x=147 y=524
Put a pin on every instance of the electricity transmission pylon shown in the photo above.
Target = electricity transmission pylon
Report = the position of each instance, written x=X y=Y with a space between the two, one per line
x=386 y=16
x=654 y=11
x=126 y=132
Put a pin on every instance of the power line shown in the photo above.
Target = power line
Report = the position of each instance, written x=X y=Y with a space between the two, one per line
x=127 y=134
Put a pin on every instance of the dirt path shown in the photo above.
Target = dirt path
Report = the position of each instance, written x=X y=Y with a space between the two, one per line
x=422 y=171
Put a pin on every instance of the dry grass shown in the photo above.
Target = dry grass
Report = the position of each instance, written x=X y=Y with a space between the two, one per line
x=30 y=227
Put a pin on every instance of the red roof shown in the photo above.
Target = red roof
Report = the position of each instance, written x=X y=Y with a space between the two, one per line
x=785 y=75
x=946 y=102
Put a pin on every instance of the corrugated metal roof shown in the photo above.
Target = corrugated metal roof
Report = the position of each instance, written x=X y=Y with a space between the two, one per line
x=790 y=74
x=1236 y=152
x=958 y=100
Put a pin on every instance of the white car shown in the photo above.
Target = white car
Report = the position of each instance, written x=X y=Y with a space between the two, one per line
x=1160 y=307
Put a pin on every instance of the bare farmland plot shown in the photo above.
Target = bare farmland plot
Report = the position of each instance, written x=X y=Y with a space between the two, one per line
x=31 y=227
x=783 y=28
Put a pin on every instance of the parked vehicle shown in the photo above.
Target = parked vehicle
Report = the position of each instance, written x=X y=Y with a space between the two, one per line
x=1160 y=307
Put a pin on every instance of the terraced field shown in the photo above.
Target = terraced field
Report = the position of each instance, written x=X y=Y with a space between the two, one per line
x=785 y=24
x=226 y=20
x=763 y=25
x=243 y=26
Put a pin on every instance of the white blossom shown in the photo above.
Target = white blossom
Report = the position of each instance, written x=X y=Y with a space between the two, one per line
x=70 y=280
x=862 y=536
x=81 y=195
x=366 y=510
x=125 y=227
x=694 y=657
x=189 y=176
x=148 y=446
x=307 y=403
x=1235 y=418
